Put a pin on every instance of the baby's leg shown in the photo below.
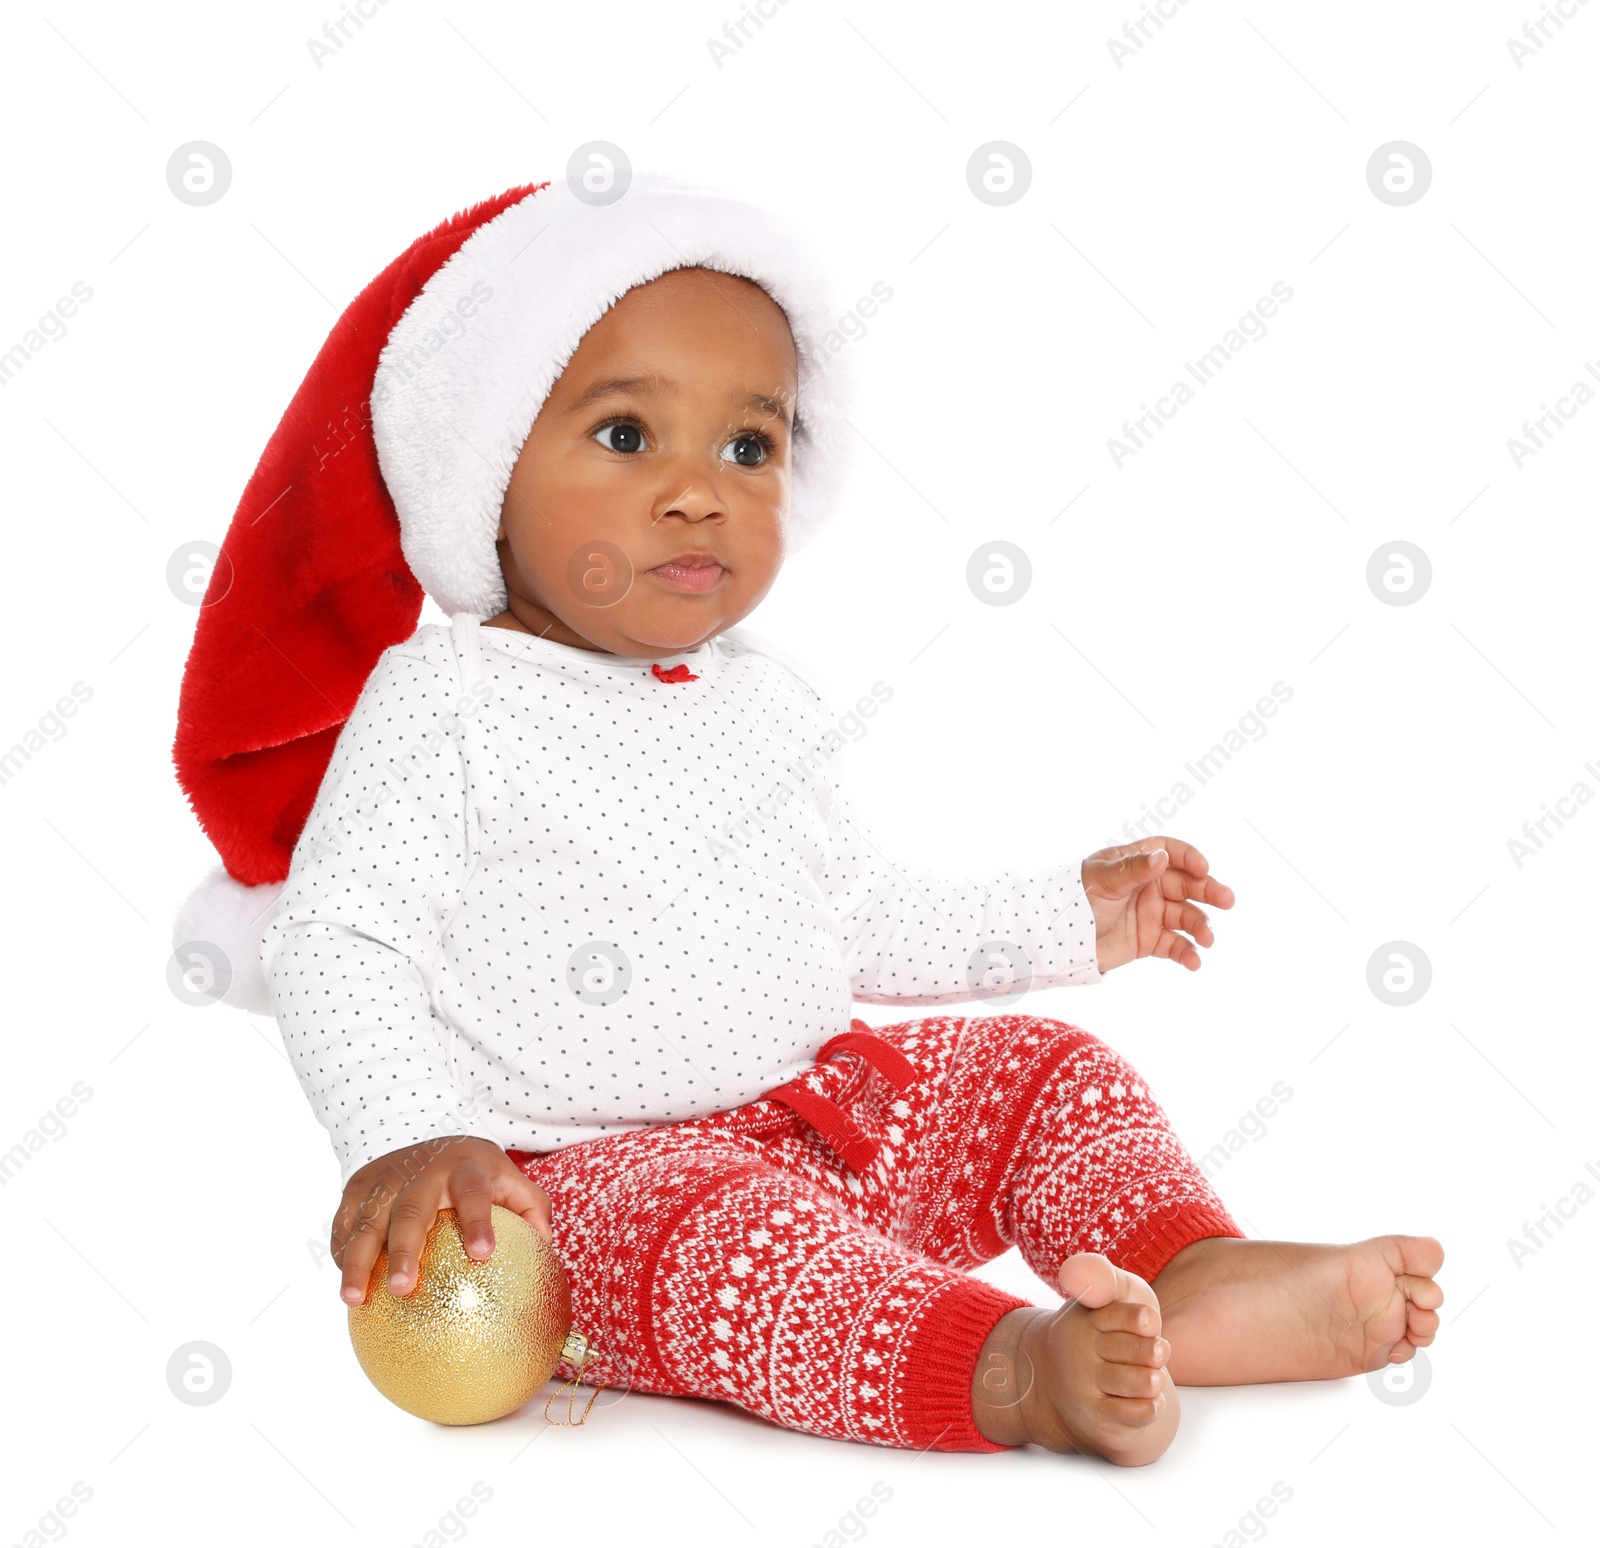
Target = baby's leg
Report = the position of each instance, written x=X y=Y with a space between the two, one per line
x=1023 y=1130
x=1095 y=1166
x=700 y=1268
x=1035 y=1134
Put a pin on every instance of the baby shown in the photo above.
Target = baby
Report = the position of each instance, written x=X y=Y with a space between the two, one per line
x=593 y=961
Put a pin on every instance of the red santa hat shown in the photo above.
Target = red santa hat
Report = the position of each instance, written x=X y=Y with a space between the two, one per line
x=385 y=480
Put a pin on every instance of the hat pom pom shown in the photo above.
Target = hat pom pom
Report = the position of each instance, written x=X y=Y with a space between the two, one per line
x=216 y=938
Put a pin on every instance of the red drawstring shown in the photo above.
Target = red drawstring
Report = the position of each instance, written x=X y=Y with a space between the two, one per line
x=830 y=1120
x=677 y=674
x=884 y=1057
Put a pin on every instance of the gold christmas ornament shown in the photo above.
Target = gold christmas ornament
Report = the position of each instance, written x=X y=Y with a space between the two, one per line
x=473 y=1341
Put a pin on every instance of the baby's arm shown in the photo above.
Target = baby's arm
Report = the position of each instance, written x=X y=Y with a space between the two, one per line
x=377 y=868
x=375 y=877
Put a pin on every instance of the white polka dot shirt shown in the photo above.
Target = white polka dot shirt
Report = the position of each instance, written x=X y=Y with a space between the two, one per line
x=545 y=895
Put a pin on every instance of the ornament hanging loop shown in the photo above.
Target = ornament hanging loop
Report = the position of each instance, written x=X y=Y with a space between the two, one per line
x=576 y=1352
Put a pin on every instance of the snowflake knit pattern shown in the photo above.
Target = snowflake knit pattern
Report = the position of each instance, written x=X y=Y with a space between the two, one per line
x=742 y=1257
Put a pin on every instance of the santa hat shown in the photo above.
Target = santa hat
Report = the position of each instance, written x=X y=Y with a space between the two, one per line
x=385 y=480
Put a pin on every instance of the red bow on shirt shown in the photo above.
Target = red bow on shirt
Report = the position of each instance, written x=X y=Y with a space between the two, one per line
x=677 y=674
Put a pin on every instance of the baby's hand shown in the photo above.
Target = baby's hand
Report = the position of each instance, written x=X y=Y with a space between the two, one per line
x=396 y=1198
x=1138 y=893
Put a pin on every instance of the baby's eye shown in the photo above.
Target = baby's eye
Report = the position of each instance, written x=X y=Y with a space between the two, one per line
x=620 y=437
x=748 y=441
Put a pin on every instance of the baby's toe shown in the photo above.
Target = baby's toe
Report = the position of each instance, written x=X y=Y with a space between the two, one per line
x=1127 y=1316
x=1130 y=1381
x=1422 y=1256
x=1089 y=1278
x=1131 y=1348
x=1131 y=1414
x=1421 y=1325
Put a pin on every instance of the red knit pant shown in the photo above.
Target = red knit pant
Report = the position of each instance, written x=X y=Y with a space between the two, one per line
x=802 y=1256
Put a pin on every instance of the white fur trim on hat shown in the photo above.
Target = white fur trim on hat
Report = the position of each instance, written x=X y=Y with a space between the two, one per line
x=226 y=914
x=470 y=362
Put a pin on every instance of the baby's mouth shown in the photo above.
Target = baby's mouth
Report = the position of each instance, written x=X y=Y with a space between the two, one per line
x=697 y=572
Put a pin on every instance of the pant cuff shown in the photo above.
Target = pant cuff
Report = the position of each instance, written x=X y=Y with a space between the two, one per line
x=937 y=1366
x=1168 y=1232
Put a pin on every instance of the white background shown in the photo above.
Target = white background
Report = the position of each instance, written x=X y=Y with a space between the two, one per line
x=189 y=1197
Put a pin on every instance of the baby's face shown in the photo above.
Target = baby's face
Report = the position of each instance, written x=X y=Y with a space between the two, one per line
x=667 y=437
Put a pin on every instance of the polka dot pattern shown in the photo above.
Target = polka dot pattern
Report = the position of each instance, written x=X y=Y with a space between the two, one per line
x=544 y=896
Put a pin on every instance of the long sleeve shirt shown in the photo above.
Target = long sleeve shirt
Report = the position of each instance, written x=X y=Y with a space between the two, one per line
x=548 y=893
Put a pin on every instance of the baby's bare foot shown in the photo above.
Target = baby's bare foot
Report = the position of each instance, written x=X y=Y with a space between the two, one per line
x=1239 y=1311
x=1089 y=1377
